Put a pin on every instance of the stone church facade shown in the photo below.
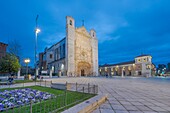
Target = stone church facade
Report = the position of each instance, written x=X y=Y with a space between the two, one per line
x=74 y=55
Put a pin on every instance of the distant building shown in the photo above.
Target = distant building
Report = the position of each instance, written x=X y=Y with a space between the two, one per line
x=141 y=66
x=74 y=55
x=42 y=63
x=3 y=48
x=168 y=66
x=161 y=69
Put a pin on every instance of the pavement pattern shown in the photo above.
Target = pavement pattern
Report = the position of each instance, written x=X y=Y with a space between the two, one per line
x=130 y=94
x=126 y=95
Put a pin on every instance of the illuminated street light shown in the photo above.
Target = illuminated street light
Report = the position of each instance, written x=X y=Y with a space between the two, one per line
x=37 y=30
x=27 y=61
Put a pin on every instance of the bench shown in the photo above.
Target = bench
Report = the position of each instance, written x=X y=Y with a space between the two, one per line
x=5 y=82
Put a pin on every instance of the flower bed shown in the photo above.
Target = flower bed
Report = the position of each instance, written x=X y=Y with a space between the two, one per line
x=19 y=97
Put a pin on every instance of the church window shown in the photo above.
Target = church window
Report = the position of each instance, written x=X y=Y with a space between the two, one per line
x=71 y=22
x=93 y=34
x=144 y=59
x=51 y=56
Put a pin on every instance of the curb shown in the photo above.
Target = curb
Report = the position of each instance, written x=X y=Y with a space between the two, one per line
x=90 y=108
x=87 y=106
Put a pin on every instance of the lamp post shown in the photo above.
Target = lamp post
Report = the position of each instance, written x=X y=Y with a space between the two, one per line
x=27 y=61
x=37 y=30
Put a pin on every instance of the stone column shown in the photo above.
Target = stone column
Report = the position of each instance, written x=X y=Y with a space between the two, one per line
x=122 y=73
x=18 y=73
x=50 y=73
x=36 y=71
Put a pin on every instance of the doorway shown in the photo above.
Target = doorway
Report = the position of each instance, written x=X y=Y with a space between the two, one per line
x=124 y=73
x=139 y=73
x=130 y=73
x=82 y=72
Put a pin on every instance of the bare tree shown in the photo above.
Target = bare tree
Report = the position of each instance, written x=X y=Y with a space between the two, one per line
x=15 y=48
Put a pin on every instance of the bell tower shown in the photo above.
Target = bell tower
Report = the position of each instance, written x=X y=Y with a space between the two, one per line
x=70 y=43
x=94 y=51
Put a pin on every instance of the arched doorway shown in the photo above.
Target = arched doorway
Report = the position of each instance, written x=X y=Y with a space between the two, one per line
x=84 y=69
x=124 y=73
x=82 y=72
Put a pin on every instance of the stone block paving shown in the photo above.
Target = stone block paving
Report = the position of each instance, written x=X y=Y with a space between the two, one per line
x=127 y=95
x=130 y=94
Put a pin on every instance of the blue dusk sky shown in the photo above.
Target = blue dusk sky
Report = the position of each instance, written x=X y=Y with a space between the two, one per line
x=125 y=28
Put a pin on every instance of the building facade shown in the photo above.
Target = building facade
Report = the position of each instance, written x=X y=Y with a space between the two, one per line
x=141 y=66
x=74 y=55
x=3 y=48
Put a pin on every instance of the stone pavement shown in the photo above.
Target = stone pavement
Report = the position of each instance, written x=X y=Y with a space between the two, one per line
x=129 y=95
x=125 y=95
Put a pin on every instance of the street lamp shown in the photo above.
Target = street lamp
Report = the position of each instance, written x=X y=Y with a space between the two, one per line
x=37 y=30
x=27 y=61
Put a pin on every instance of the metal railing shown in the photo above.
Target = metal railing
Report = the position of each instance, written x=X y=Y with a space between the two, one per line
x=84 y=88
x=73 y=94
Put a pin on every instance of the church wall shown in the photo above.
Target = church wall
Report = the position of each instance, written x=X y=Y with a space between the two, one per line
x=70 y=45
x=94 y=52
x=77 y=52
x=83 y=52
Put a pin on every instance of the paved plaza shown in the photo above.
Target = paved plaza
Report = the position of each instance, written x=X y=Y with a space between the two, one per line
x=126 y=95
x=130 y=95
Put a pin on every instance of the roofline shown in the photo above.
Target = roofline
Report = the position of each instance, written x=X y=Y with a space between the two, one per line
x=143 y=55
x=56 y=43
x=4 y=43
x=121 y=63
